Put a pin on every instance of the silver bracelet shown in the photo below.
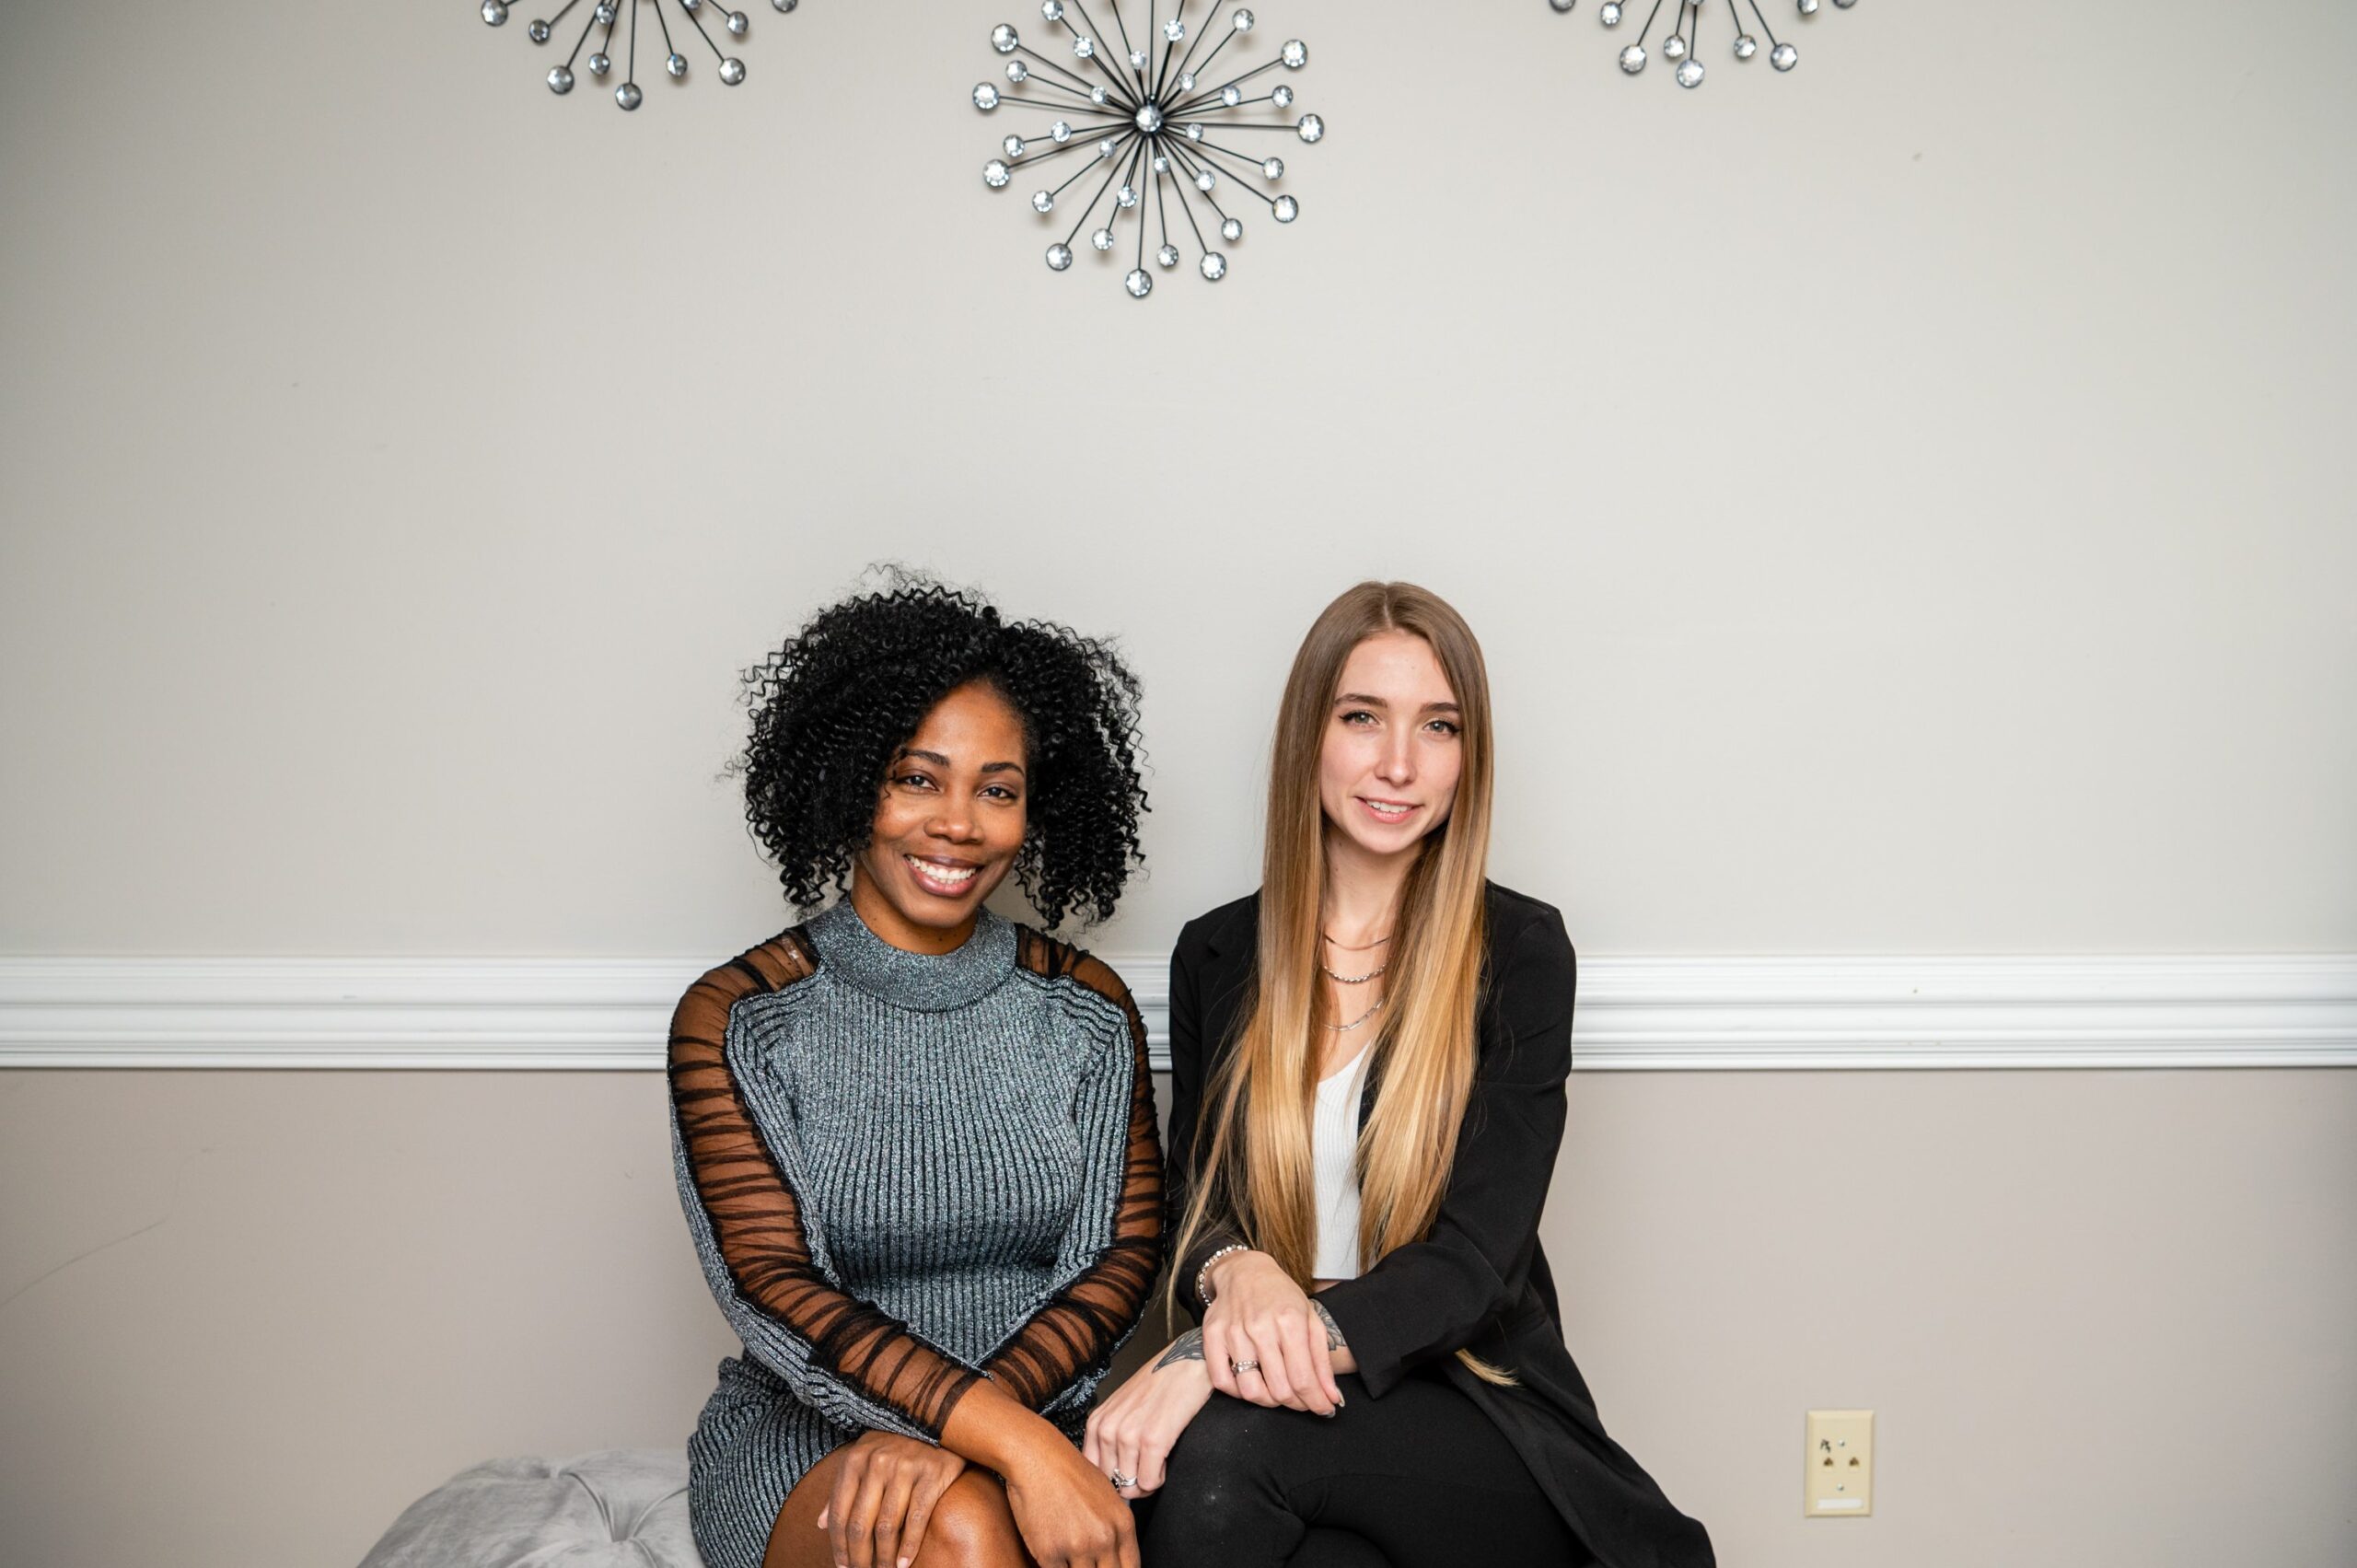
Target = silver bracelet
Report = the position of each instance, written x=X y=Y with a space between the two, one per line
x=1203 y=1274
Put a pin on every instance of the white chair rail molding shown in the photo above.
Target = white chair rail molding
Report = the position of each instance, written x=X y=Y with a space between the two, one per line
x=1687 y=1014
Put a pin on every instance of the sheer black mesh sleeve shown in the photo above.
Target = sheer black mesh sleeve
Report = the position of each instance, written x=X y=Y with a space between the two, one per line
x=858 y=1365
x=1055 y=1358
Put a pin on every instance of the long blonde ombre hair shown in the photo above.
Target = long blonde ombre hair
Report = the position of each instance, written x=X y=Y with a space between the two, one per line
x=1253 y=1142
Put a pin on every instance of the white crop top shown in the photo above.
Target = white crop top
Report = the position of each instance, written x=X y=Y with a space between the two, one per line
x=1333 y=1158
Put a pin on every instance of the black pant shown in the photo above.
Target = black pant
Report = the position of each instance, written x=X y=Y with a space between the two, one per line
x=1417 y=1479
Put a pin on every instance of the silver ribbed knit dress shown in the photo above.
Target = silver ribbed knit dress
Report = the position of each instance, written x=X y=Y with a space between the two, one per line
x=903 y=1173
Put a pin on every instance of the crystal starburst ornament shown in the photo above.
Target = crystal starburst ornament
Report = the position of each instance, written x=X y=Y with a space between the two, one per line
x=1682 y=46
x=1146 y=115
x=608 y=17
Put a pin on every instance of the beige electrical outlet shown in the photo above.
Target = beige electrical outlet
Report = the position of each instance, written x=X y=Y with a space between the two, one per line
x=1840 y=1479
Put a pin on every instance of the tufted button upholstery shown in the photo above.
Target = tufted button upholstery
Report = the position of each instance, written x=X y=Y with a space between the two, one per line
x=622 y=1508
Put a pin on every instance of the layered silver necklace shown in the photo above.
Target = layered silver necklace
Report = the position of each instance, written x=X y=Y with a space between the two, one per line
x=1356 y=979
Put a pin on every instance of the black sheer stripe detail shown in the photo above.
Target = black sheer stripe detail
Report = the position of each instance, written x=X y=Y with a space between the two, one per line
x=756 y=1216
x=1077 y=1331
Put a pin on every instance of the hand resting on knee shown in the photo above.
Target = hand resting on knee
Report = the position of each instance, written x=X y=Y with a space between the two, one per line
x=1132 y=1433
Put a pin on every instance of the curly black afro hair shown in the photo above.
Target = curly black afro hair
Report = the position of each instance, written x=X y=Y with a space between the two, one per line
x=836 y=703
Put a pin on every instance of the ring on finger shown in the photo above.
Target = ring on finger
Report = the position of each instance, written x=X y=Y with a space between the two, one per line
x=1120 y=1480
x=1241 y=1368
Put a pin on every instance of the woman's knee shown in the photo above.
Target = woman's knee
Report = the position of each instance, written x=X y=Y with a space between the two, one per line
x=971 y=1527
x=1223 y=1499
x=1228 y=1452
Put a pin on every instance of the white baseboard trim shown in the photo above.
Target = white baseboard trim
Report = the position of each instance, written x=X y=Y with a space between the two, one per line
x=1674 y=1015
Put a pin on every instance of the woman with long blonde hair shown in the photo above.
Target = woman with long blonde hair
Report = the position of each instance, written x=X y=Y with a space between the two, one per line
x=1368 y=1058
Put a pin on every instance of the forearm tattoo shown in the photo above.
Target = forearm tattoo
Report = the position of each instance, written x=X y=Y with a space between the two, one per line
x=1187 y=1346
x=1334 y=1339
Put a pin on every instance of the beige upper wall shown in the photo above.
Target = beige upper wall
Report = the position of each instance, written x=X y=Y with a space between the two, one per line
x=1907 y=502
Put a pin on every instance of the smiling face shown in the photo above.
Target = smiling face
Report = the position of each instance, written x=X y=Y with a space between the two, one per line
x=1388 y=765
x=948 y=822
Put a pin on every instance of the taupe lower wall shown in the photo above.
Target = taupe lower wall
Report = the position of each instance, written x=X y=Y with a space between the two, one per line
x=2104 y=1318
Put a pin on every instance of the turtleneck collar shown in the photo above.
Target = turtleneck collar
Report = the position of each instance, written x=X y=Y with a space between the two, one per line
x=859 y=958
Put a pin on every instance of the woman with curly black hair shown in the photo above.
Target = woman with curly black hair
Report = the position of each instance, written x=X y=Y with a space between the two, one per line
x=915 y=1142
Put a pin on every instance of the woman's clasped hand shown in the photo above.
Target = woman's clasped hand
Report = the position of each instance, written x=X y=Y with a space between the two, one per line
x=1131 y=1435
x=1273 y=1349
x=884 y=1495
x=1263 y=1341
x=887 y=1489
x=1066 y=1514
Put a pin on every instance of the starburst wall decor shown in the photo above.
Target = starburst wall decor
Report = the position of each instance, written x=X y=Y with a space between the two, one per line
x=1683 y=45
x=1147 y=109
x=609 y=15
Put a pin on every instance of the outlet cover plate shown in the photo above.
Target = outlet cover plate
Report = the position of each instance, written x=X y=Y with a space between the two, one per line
x=1840 y=1480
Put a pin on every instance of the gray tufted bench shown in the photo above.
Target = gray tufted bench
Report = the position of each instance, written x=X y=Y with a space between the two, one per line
x=622 y=1508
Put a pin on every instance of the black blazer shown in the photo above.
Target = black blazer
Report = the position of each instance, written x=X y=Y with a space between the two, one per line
x=1479 y=1281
